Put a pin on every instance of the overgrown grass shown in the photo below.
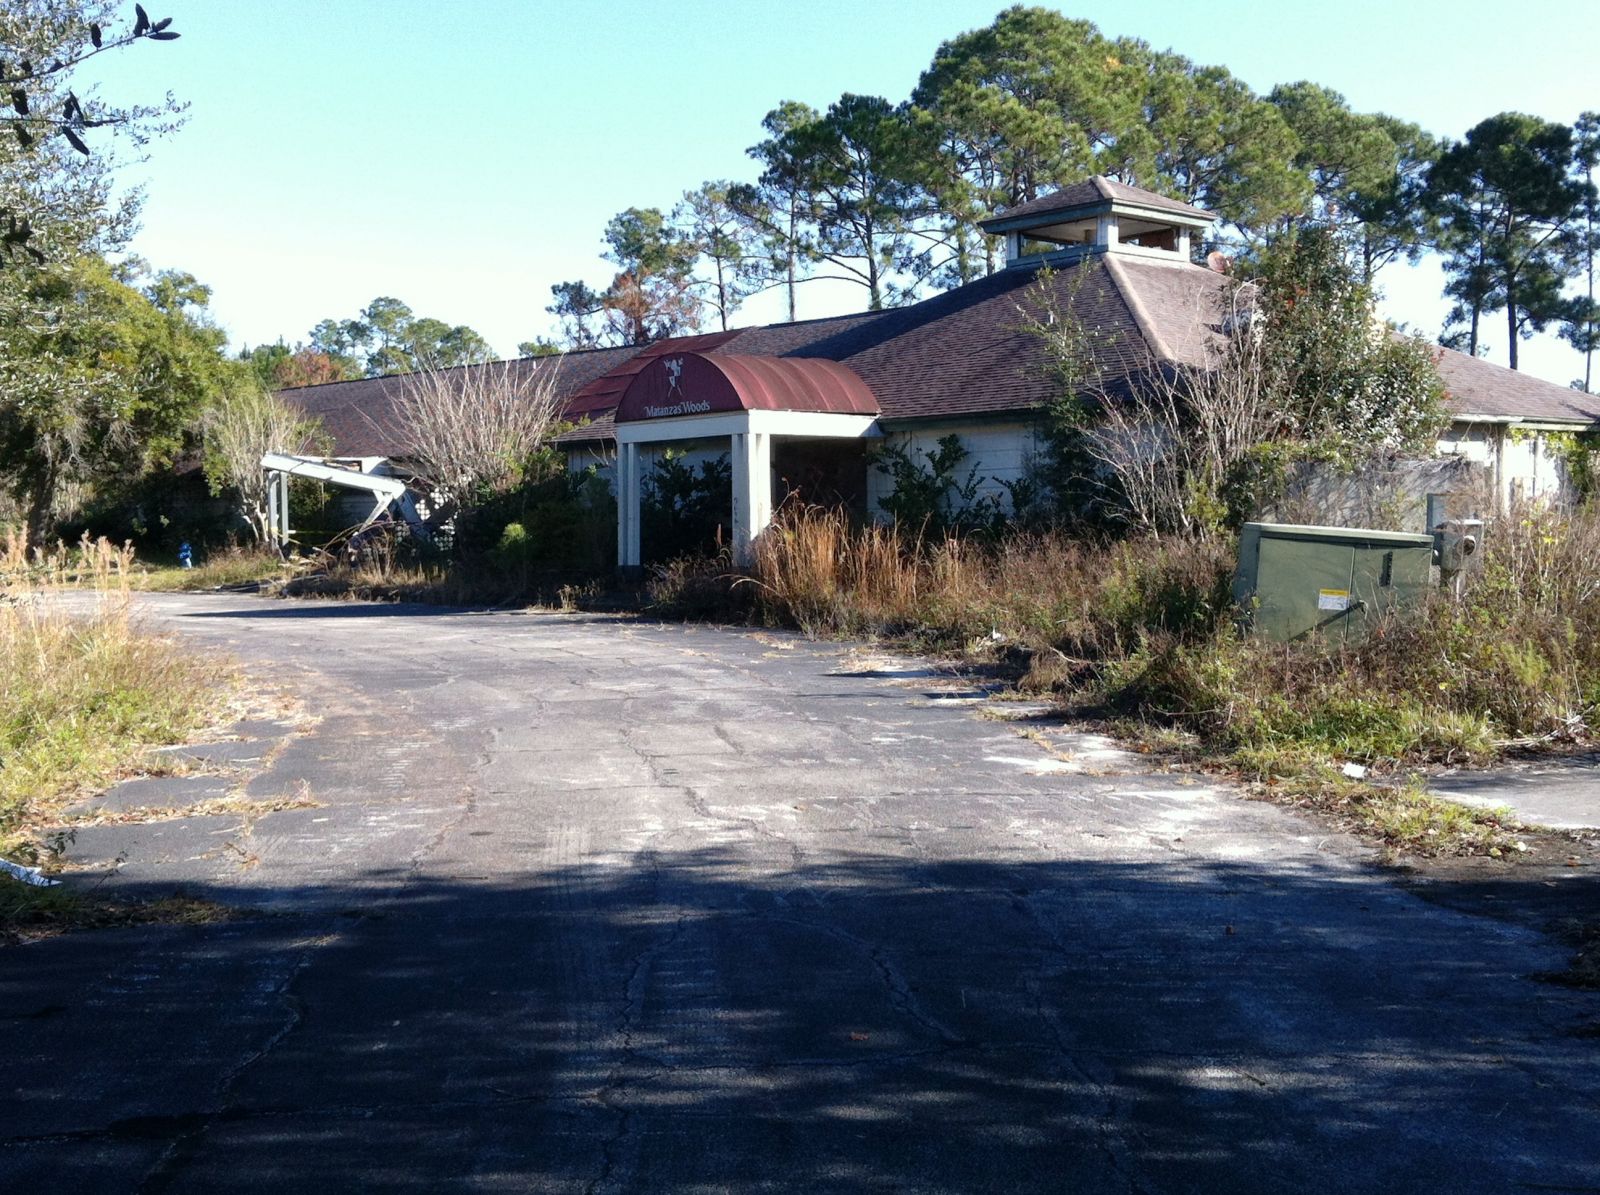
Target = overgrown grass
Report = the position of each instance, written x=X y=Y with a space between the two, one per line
x=83 y=696
x=1399 y=813
x=28 y=913
x=1047 y=594
x=90 y=563
x=1513 y=663
x=234 y=568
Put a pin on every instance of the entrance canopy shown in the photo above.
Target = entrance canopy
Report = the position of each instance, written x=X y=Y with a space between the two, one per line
x=701 y=384
x=692 y=396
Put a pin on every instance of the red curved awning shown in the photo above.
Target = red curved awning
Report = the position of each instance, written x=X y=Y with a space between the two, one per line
x=678 y=384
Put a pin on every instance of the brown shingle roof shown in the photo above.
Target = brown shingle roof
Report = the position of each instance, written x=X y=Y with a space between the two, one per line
x=1478 y=387
x=964 y=352
x=359 y=415
x=592 y=429
x=967 y=352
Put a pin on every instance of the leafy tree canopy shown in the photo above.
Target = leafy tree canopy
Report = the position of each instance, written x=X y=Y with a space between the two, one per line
x=54 y=193
x=101 y=379
x=653 y=295
x=385 y=338
x=1508 y=204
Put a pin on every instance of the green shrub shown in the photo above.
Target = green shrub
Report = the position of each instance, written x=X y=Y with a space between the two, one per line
x=1166 y=677
x=685 y=509
x=928 y=491
x=559 y=520
x=566 y=522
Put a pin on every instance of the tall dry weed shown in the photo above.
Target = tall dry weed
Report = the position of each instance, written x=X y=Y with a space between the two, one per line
x=817 y=570
x=1145 y=627
x=88 y=564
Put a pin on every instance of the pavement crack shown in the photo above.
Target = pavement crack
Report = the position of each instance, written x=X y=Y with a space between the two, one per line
x=191 y=1128
x=467 y=805
x=667 y=778
x=698 y=804
x=901 y=996
x=1106 y=1134
x=618 y=1081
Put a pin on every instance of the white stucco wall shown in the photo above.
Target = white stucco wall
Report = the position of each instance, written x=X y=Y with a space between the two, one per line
x=602 y=456
x=1001 y=451
x=1525 y=460
x=1534 y=468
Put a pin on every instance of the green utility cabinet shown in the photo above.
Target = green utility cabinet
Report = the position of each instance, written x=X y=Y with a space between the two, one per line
x=1294 y=581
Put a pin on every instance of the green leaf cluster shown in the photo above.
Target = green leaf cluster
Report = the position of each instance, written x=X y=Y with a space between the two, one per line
x=684 y=508
x=1346 y=383
x=101 y=381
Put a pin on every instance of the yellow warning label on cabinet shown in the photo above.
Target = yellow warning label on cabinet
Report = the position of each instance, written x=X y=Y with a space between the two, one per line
x=1333 y=599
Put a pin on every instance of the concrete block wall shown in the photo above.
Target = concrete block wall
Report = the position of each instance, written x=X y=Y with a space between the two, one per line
x=1390 y=495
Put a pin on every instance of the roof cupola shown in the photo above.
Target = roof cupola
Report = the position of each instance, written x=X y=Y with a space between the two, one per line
x=1098 y=215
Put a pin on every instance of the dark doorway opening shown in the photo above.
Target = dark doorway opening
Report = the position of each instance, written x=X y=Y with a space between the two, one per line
x=821 y=473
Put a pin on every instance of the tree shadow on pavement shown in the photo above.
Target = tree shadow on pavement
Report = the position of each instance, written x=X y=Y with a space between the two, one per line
x=686 y=1021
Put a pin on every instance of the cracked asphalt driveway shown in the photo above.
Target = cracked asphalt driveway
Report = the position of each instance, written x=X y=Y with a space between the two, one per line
x=598 y=906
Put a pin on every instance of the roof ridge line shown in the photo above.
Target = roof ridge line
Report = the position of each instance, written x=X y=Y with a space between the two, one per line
x=1135 y=305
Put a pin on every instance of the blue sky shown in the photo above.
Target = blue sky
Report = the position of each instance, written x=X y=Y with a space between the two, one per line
x=465 y=156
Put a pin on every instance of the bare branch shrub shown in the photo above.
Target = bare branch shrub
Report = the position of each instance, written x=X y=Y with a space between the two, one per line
x=238 y=431
x=1167 y=439
x=1149 y=442
x=1291 y=366
x=471 y=433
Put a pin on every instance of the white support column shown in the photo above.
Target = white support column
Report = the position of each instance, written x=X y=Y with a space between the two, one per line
x=628 y=547
x=752 y=492
x=1105 y=232
x=1184 y=243
x=285 y=532
x=760 y=452
x=274 y=521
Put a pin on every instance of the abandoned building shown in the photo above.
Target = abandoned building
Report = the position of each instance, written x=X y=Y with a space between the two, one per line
x=796 y=407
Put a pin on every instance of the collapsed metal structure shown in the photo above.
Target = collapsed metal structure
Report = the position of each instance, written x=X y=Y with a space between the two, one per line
x=280 y=467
